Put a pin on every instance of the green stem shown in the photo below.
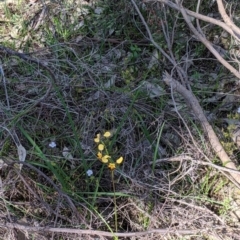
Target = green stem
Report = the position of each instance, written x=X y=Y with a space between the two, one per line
x=114 y=199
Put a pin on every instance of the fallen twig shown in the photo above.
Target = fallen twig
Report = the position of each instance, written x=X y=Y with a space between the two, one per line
x=184 y=157
x=104 y=233
x=199 y=16
x=232 y=30
x=213 y=139
x=227 y=19
x=207 y=43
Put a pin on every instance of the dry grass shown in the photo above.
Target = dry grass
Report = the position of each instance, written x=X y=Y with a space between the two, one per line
x=96 y=87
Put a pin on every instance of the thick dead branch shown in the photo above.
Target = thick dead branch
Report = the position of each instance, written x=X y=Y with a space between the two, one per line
x=163 y=231
x=198 y=16
x=207 y=43
x=227 y=19
x=213 y=139
x=185 y=14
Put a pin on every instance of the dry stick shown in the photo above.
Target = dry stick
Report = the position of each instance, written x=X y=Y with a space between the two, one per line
x=199 y=16
x=214 y=141
x=202 y=209
x=197 y=20
x=227 y=19
x=185 y=157
x=107 y=234
x=207 y=43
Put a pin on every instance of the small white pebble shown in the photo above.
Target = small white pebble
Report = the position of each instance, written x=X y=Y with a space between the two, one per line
x=89 y=172
x=52 y=145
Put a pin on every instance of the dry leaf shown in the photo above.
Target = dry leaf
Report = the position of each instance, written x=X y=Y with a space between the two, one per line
x=154 y=59
x=153 y=90
x=22 y=153
x=67 y=154
x=110 y=82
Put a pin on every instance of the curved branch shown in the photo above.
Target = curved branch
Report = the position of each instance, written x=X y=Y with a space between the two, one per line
x=199 y=16
x=227 y=19
x=208 y=44
x=213 y=139
x=185 y=14
x=162 y=231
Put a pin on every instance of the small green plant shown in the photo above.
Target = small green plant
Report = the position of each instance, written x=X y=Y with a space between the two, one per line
x=135 y=52
x=225 y=207
x=104 y=156
x=128 y=75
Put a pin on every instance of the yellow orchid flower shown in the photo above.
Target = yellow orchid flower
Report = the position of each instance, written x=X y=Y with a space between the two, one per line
x=119 y=160
x=111 y=166
x=97 y=139
x=100 y=147
x=99 y=155
x=105 y=158
x=107 y=134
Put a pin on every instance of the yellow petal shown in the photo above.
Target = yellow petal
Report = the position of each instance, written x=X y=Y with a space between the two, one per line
x=119 y=160
x=100 y=147
x=99 y=155
x=111 y=166
x=97 y=139
x=107 y=134
x=105 y=158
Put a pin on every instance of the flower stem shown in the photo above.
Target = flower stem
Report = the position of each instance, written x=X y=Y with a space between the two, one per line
x=114 y=199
